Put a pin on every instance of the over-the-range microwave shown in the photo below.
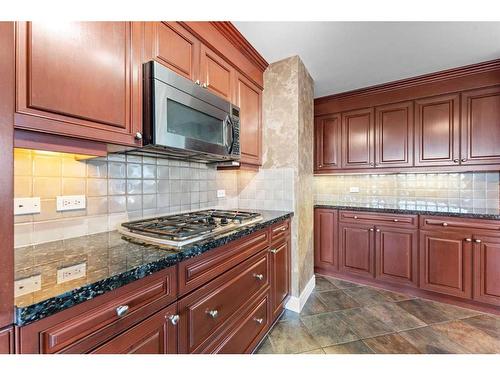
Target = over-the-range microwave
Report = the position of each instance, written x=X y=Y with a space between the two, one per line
x=184 y=120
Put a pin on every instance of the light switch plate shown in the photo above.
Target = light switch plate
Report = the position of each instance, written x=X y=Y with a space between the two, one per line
x=70 y=202
x=25 y=206
x=221 y=193
x=354 y=189
x=27 y=285
x=71 y=272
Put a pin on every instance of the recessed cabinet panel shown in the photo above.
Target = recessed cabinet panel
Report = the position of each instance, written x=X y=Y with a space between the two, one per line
x=437 y=125
x=327 y=142
x=325 y=238
x=280 y=262
x=394 y=135
x=487 y=270
x=481 y=126
x=446 y=263
x=217 y=74
x=357 y=139
x=357 y=248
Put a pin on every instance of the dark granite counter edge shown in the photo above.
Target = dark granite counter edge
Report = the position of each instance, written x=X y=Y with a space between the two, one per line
x=43 y=309
x=470 y=215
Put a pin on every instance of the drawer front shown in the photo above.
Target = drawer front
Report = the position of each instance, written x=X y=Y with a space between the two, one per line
x=197 y=271
x=206 y=310
x=409 y=221
x=248 y=330
x=104 y=320
x=446 y=223
x=280 y=230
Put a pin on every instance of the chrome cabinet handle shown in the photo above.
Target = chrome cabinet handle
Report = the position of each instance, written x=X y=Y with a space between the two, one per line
x=468 y=240
x=138 y=136
x=259 y=276
x=122 y=310
x=213 y=313
x=477 y=241
x=283 y=229
x=197 y=82
x=445 y=224
x=273 y=251
x=174 y=319
x=259 y=320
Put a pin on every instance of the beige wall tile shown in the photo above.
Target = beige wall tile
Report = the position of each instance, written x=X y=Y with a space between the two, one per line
x=97 y=205
x=47 y=165
x=97 y=187
x=23 y=234
x=46 y=187
x=48 y=210
x=73 y=168
x=73 y=186
x=23 y=162
x=23 y=186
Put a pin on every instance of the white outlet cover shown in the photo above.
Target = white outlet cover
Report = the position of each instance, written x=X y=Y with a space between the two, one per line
x=71 y=273
x=25 y=206
x=221 y=193
x=27 y=285
x=354 y=189
x=70 y=202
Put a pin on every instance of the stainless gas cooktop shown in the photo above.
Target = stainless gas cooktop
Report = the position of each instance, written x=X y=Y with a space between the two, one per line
x=182 y=229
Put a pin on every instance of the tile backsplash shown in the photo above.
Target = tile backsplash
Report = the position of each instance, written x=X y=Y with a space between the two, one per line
x=117 y=188
x=437 y=191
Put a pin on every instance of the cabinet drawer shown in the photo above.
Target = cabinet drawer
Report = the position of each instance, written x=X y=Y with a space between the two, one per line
x=248 y=330
x=204 y=312
x=378 y=218
x=280 y=230
x=198 y=271
x=444 y=222
x=88 y=327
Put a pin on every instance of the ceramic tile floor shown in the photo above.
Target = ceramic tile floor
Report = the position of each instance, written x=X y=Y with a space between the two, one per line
x=342 y=317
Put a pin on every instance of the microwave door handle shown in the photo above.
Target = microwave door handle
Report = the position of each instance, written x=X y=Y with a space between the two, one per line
x=229 y=134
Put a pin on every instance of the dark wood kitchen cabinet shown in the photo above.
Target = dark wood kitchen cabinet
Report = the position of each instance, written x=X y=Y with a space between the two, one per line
x=357 y=139
x=446 y=262
x=437 y=137
x=327 y=146
x=326 y=239
x=80 y=79
x=7 y=340
x=155 y=335
x=216 y=73
x=487 y=269
x=280 y=269
x=357 y=249
x=481 y=126
x=394 y=135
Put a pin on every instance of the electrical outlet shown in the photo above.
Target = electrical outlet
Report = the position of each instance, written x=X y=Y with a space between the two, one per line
x=25 y=206
x=71 y=273
x=70 y=202
x=221 y=193
x=354 y=189
x=27 y=285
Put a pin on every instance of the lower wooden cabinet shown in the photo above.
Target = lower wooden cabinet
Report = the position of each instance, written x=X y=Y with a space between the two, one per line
x=326 y=239
x=155 y=335
x=446 y=263
x=357 y=248
x=280 y=274
x=487 y=269
x=7 y=340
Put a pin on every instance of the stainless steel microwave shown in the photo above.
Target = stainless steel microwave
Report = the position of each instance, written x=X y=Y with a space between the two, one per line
x=184 y=120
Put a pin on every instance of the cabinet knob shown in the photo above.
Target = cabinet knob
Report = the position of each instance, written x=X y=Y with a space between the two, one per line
x=213 y=313
x=445 y=224
x=455 y=160
x=273 y=251
x=355 y=217
x=204 y=85
x=468 y=240
x=378 y=230
x=174 y=319
x=197 y=82
x=464 y=160
x=371 y=229
x=122 y=310
x=395 y=220
x=259 y=276
x=138 y=136
x=371 y=164
x=259 y=320
x=477 y=241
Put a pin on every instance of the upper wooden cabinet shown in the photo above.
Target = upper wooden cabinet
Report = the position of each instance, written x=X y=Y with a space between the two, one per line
x=437 y=135
x=173 y=46
x=80 y=79
x=216 y=73
x=394 y=135
x=327 y=147
x=357 y=139
x=249 y=98
x=481 y=126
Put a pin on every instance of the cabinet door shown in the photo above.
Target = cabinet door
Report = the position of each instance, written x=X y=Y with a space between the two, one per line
x=155 y=335
x=325 y=239
x=216 y=74
x=487 y=270
x=446 y=263
x=173 y=46
x=437 y=126
x=280 y=275
x=481 y=126
x=249 y=98
x=356 y=249
x=394 y=135
x=357 y=139
x=80 y=79
x=396 y=255
x=7 y=340
x=327 y=144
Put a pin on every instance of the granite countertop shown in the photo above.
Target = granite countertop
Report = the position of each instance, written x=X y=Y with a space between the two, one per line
x=110 y=262
x=491 y=214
